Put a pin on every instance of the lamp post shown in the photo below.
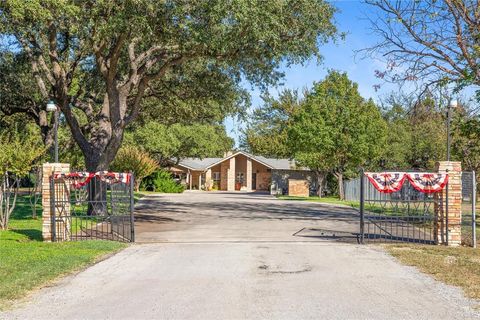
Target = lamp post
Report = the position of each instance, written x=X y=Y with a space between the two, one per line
x=452 y=104
x=51 y=107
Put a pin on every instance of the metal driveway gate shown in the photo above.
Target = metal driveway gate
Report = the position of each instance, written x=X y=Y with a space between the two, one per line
x=87 y=206
x=406 y=215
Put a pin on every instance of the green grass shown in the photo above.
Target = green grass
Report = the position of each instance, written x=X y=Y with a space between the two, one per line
x=369 y=206
x=455 y=266
x=27 y=263
x=332 y=200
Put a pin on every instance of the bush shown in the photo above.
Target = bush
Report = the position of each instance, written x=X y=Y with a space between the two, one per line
x=161 y=181
x=133 y=159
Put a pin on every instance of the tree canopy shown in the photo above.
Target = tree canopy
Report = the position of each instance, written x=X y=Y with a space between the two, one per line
x=267 y=131
x=101 y=60
x=170 y=143
x=336 y=130
x=429 y=42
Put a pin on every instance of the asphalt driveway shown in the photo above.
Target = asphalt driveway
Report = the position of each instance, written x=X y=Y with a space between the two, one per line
x=245 y=256
x=240 y=217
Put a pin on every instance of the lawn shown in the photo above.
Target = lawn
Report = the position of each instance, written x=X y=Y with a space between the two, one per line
x=27 y=263
x=455 y=266
x=332 y=200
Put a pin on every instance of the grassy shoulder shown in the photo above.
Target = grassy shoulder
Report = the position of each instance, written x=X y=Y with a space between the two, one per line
x=330 y=200
x=27 y=263
x=458 y=266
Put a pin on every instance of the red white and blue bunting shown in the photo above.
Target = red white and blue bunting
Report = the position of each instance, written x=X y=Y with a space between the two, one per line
x=80 y=179
x=388 y=182
x=428 y=182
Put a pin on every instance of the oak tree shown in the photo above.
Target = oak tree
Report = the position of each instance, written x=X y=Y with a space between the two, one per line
x=99 y=60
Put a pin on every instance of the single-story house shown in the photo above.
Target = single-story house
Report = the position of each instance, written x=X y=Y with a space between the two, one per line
x=241 y=171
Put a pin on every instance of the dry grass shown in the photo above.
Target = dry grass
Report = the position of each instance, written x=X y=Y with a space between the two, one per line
x=455 y=266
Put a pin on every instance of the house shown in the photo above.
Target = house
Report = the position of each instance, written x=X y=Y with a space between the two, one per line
x=241 y=171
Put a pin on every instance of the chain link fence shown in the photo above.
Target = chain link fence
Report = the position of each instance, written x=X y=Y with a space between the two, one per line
x=469 y=226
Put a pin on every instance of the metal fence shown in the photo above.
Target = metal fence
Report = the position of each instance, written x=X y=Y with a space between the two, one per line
x=97 y=210
x=469 y=226
x=406 y=215
x=406 y=202
x=352 y=192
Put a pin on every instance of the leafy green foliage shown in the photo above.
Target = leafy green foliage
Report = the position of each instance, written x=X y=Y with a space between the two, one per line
x=19 y=152
x=466 y=142
x=109 y=63
x=267 y=132
x=161 y=181
x=169 y=142
x=336 y=129
x=133 y=159
x=416 y=136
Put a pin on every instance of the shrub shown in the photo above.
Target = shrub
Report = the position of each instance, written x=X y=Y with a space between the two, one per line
x=17 y=156
x=131 y=158
x=161 y=181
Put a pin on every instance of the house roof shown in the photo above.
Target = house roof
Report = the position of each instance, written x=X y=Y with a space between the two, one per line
x=204 y=164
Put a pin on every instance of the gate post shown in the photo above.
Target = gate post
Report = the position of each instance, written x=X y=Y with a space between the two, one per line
x=132 y=205
x=448 y=228
x=362 y=205
x=48 y=169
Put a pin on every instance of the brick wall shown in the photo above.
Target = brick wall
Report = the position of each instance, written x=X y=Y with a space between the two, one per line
x=298 y=188
x=224 y=175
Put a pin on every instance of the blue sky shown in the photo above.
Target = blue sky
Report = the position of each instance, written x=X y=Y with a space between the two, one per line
x=339 y=56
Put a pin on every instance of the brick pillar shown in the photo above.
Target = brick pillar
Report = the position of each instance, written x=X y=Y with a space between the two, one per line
x=224 y=175
x=454 y=170
x=63 y=192
x=249 y=174
x=208 y=180
x=231 y=175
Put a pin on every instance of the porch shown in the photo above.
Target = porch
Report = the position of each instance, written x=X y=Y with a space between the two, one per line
x=237 y=173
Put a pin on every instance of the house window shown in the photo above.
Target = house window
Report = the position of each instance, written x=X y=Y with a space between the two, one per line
x=216 y=176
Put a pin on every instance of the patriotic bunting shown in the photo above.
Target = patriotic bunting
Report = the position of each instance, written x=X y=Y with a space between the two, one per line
x=428 y=182
x=80 y=179
x=388 y=182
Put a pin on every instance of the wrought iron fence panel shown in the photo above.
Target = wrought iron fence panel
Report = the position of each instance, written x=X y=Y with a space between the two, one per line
x=406 y=215
x=97 y=210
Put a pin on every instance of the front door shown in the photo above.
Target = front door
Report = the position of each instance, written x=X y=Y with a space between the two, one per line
x=254 y=181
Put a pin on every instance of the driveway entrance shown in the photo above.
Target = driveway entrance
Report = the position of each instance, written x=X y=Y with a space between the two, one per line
x=245 y=256
x=234 y=217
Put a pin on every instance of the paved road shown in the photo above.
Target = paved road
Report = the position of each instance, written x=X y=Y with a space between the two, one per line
x=240 y=256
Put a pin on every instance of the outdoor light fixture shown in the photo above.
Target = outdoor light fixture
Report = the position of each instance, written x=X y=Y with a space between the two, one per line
x=52 y=107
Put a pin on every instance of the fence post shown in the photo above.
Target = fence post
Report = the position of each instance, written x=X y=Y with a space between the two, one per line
x=362 y=222
x=474 y=202
x=132 y=204
x=450 y=213
x=53 y=219
x=446 y=213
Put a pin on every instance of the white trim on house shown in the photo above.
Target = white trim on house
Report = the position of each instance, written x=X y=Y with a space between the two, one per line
x=236 y=154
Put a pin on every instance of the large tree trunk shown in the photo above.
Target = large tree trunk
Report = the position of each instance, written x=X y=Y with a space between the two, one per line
x=341 y=190
x=320 y=182
x=100 y=161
